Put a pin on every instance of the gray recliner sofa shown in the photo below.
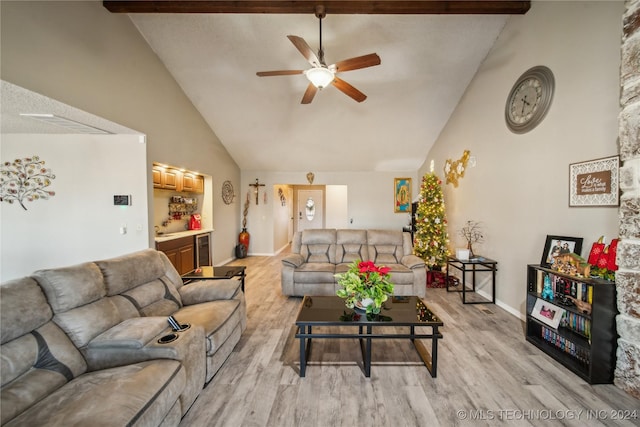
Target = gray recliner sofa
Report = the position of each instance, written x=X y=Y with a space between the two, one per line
x=318 y=254
x=90 y=344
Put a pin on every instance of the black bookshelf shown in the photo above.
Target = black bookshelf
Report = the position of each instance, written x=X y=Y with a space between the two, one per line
x=585 y=343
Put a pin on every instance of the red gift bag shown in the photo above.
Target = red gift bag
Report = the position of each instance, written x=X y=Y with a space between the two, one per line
x=597 y=249
x=603 y=259
x=606 y=258
x=613 y=251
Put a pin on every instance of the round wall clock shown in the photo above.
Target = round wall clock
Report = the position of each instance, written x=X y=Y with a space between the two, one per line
x=529 y=99
x=227 y=192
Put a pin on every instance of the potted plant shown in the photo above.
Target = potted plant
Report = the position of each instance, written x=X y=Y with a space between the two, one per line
x=472 y=234
x=365 y=286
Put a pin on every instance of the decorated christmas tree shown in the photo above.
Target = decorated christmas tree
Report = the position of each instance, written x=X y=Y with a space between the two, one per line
x=431 y=238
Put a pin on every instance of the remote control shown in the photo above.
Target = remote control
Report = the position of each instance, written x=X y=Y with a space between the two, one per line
x=173 y=323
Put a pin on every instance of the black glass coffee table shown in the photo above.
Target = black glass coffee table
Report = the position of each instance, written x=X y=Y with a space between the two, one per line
x=215 y=273
x=409 y=311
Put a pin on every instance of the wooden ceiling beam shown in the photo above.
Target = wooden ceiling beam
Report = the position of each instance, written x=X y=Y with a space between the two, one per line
x=333 y=7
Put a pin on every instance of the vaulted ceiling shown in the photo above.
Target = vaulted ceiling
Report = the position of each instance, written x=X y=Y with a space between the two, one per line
x=429 y=50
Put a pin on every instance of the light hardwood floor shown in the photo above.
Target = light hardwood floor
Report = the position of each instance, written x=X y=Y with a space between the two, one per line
x=487 y=374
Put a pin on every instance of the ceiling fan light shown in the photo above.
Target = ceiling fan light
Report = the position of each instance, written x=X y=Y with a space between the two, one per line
x=320 y=77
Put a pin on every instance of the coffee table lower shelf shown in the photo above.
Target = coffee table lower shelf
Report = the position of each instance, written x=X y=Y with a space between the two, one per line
x=398 y=312
x=430 y=359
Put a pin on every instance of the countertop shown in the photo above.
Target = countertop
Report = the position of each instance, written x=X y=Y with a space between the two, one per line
x=179 y=234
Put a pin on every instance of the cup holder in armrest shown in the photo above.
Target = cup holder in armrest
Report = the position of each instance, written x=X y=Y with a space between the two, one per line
x=183 y=327
x=168 y=338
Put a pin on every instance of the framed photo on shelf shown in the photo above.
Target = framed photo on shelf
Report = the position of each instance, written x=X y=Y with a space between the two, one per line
x=559 y=245
x=594 y=183
x=548 y=313
x=402 y=195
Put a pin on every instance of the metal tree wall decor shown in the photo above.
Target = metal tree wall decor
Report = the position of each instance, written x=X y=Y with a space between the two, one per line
x=25 y=179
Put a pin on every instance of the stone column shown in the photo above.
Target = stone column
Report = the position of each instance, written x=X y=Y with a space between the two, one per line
x=627 y=374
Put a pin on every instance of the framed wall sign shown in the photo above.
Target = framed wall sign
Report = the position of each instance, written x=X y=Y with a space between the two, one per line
x=595 y=183
x=402 y=195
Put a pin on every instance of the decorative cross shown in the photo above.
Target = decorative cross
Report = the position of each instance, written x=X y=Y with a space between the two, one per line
x=257 y=186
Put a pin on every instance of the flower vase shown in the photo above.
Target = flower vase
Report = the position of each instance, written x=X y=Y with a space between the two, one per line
x=243 y=239
x=361 y=305
x=470 y=248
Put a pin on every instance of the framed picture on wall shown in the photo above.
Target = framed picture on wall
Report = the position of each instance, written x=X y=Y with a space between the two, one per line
x=594 y=183
x=402 y=195
x=559 y=245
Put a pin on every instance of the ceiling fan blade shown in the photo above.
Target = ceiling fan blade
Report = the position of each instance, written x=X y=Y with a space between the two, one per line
x=279 y=73
x=305 y=50
x=359 y=62
x=309 y=94
x=349 y=90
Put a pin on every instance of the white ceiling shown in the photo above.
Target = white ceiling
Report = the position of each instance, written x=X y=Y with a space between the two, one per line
x=427 y=63
x=16 y=101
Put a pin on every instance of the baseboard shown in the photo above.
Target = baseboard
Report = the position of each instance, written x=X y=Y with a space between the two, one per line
x=225 y=262
x=502 y=305
x=282 y=249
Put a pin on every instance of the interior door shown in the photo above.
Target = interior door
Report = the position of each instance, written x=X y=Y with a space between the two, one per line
x=292 y=215
x=310 y=209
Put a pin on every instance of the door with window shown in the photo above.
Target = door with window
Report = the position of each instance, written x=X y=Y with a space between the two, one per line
x=310 y=209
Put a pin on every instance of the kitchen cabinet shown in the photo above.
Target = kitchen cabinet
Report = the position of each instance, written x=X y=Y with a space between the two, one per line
x=157 y=177
x=192 y=183
x=173 y=179
x=199 y=184
x=167 y=179
x=181 y=253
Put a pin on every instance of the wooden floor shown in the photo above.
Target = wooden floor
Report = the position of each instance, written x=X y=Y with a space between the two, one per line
x=487 y=374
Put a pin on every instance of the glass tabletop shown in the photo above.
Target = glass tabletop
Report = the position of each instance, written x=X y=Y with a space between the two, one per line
x=475 y=260
x=209 y=272
x=396 y=311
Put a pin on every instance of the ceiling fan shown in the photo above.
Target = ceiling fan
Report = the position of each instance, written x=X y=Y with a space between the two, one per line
x=320 y=75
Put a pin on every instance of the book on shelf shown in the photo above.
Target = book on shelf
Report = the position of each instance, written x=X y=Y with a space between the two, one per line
x=577 y=323
x=565 y=286
x=564 y=344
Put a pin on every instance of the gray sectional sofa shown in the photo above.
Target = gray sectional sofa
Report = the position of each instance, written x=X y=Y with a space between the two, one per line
x=90 y=345
x=318 y=254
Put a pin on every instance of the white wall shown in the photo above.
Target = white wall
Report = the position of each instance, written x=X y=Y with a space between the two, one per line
x=281 y=216
x=519 y=188
x=82 y=55
x=370 y=201
x=336 y=206
x=79 y=223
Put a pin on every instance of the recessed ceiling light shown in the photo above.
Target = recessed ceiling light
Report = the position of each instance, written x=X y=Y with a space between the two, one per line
x=72 y=125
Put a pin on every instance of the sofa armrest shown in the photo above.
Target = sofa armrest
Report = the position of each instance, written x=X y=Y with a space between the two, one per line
x=137 y=340
x=132 y=333
x=209 y=290
x=413 y=262
x=293 y=260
